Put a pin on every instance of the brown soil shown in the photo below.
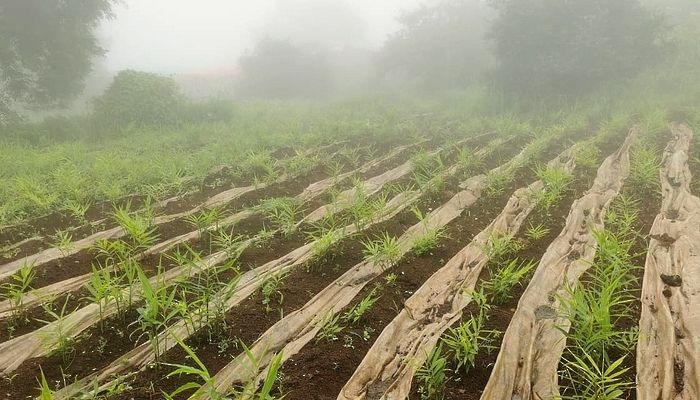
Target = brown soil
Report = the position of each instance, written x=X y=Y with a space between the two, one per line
x=247 y=321
x=45 y=226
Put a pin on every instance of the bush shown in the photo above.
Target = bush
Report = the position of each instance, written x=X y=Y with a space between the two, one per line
x=139 y=99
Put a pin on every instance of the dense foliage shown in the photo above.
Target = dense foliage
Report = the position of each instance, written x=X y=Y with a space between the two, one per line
x=569 y=47
x=139 y=99
x=46 y=49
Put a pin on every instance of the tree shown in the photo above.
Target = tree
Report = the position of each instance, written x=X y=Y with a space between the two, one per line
x=571 y=46
x=46 y=49
x=139 y=99
x=440 y=47
x=280 y=69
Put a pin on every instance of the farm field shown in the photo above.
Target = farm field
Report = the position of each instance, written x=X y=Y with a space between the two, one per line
x=350 y=200
x=493 y=260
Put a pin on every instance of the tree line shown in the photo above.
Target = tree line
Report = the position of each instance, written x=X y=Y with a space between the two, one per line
x=524 y=47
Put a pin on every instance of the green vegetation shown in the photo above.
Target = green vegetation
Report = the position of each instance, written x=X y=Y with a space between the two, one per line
x=139 y=99
x=556 y=183
x=596 y=346
x=384 y=250
x=146 y=160
x=432 y=376
x=14 y=290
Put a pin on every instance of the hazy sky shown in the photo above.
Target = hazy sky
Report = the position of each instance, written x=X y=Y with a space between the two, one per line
x=171 y=36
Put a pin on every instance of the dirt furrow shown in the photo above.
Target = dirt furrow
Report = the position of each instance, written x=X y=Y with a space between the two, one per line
x=526 y=367
x=373 y=185
x=41 y=342
x=312 y=191
x=385 y=371
x=249 y=282
x=293 y=332
x=225 y=197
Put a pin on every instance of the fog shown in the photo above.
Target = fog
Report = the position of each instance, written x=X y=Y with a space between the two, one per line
x=331 y=49
x=181 y=36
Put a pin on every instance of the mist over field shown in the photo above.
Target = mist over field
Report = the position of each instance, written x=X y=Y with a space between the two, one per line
x=323 y=50
x=361 y=199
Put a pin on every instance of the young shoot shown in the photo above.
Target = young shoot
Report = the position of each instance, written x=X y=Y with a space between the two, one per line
x=323 y=239
x=330 y=328
x=644 y=170
x=534 y=233
x=354 y=314
x=556 y=183
x=63 y=241
x=504 y=278
x=205 y=219
x=468 y=160
x=19 y=284
x=433 y=376
x=271 y=289
x=138 y=226
x=587 y=156
x=467 y=340
x=496 y=182
x=499 y=246
x=101 y=286
x=595 y=380
x=58 y=335
x=301 y=163
x=229 y=243
x=158 y=309
x=383 y=251
x=363 y=209
x=77 y=209
x=283 y=212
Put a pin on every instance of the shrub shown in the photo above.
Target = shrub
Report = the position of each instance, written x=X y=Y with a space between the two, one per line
x=139 y=99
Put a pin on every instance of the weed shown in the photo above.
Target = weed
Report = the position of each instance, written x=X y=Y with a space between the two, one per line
x=45 y=392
